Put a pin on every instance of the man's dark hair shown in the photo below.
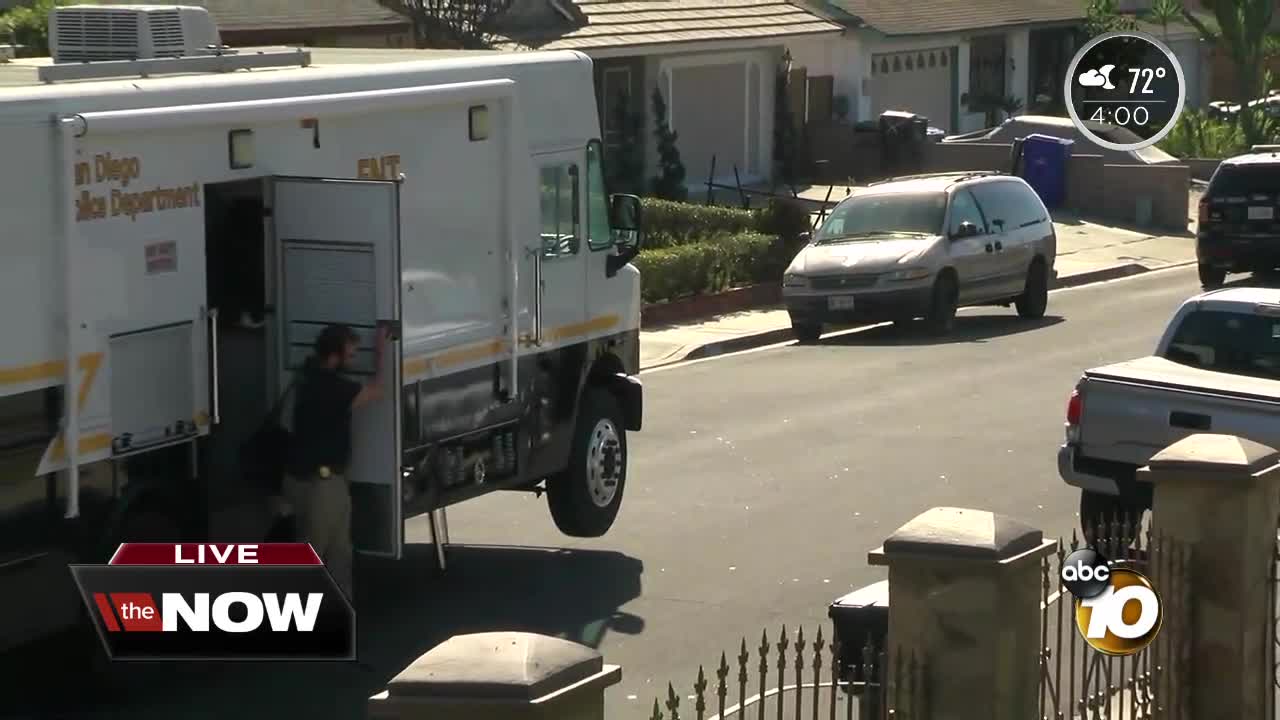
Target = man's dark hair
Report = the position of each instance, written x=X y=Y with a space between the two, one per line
x=333 y=340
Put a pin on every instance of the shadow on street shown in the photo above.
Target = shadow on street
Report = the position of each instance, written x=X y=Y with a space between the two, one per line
x=404 y=609
x=968 y=328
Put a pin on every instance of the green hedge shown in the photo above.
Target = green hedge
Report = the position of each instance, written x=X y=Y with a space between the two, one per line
x=713 y=265
x=668 y=223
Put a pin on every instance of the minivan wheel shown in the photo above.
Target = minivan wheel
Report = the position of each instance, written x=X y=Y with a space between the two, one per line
x=806 y=332
x=1211 y=277
x=1034 y=299
x=942 y=305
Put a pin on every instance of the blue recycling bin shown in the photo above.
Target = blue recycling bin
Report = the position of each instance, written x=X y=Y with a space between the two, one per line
x=1044 y=167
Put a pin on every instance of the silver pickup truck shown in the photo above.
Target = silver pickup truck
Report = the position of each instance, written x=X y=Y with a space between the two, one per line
x=1216 y=369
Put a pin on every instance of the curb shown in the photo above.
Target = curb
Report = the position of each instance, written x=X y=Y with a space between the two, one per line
x=771 y=337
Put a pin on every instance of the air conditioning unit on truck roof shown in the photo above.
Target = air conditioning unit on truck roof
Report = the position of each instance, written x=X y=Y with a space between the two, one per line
x=95 y=33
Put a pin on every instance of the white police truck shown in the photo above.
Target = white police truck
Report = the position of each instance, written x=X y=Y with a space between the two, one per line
x=457 y=197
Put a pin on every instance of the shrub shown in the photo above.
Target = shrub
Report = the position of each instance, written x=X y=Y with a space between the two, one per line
x=709 y=266
x=29 y=25
x=1196 y=135
x=669 y=223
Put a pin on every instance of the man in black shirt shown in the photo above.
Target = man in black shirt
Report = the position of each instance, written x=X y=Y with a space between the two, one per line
x=317 y=486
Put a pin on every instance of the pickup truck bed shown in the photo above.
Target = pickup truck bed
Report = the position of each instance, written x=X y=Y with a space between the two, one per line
x=1216 y=370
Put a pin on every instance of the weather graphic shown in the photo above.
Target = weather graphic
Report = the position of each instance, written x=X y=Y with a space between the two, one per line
x=1124 y=90
x=1098 y=78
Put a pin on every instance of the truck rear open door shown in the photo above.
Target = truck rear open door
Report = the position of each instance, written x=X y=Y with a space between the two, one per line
x=338 y=261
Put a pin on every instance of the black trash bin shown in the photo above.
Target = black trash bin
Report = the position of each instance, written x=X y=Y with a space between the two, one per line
x=860 y=620
x=902 y=136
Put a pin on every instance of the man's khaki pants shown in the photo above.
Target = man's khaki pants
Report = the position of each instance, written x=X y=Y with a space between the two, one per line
x=322 y=506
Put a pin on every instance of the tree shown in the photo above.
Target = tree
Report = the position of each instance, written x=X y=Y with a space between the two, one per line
x=1165 y=12
x=28 y=25
x=669 y=183
x=1243 y=33
x=456 y=24
x=1104 y=16
x=626 y=156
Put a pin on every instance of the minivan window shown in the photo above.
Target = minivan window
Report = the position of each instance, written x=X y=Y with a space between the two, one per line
x=1230 y=342
x=1010 y=202
x=866 y=216
x=965 y=209
x=1233 y=180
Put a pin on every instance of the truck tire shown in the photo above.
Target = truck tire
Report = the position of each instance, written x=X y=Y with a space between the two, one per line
x=942 y=305
x=1034 y=299
x=585 y=497
x=1105 y=510
x=1211 y=278
x=806 y=332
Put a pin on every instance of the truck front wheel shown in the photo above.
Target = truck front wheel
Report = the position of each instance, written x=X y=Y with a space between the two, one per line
x=584 y=498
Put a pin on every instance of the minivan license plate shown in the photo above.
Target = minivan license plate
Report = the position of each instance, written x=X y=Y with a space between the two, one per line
x=1262 y=213
x=840 y=303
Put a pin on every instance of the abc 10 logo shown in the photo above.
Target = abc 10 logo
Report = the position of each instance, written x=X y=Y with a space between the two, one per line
x=1118 y=611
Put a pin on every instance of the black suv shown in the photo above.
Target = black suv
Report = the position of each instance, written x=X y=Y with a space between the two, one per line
x=1240 y=217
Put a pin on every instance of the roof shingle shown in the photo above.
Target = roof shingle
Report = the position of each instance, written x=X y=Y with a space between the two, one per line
x=623 y=23
x=919 y=17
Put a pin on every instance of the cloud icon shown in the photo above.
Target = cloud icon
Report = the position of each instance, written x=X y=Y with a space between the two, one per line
x=1098 y=78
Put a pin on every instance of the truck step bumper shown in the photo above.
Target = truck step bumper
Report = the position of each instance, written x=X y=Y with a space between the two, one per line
x=1084 y=481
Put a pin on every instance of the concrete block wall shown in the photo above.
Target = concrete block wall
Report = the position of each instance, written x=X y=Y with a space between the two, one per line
x=945 y=157
x=1125 y=186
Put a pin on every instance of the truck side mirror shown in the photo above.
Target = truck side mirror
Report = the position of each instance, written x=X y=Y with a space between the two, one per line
x=627 y=224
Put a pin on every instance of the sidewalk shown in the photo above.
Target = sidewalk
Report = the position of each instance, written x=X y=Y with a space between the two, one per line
x=1087 y=252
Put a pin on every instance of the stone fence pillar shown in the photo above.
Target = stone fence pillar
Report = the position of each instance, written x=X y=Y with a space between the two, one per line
x=499 y=676
x=1217 y=497
x=964 y=598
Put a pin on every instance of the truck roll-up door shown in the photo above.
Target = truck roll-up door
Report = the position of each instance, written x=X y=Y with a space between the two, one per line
x=338 y=261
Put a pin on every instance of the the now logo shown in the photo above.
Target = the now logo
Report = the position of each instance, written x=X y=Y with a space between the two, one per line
x=232 y=612
x=218 y=602
x=1117 y=609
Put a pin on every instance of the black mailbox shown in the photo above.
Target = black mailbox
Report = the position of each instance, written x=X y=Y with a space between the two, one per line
x=860 y=619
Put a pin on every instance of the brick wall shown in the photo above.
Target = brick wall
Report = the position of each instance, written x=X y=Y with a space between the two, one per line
x=1222 y=75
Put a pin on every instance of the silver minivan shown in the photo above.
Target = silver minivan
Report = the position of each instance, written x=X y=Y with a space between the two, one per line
x=923 y=246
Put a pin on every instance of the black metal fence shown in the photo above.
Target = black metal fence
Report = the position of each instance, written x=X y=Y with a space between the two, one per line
x=1078 y=681
x=793 y=679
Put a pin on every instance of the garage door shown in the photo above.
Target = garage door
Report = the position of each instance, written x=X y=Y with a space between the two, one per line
x=918 y=81
x=708 y=109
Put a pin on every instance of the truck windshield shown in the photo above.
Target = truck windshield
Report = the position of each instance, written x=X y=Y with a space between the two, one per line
x=867 y=216
x=1230 y=342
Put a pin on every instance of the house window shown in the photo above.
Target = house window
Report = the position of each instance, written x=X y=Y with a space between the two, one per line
x=821 y=91
x=987 y=68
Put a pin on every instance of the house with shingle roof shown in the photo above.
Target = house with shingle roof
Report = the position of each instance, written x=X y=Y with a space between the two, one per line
x=943 y=58
x=715 y=62
x=312 y=23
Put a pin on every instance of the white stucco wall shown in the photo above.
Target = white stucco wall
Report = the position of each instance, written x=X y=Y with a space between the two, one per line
x=848 y=59
x=838 y=56
x=1018 y=48
x=760 y=127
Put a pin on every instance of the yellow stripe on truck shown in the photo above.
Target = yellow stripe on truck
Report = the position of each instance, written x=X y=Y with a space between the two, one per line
x=488 y=348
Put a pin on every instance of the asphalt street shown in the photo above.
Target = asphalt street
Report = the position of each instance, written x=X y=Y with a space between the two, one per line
x=756 y=489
